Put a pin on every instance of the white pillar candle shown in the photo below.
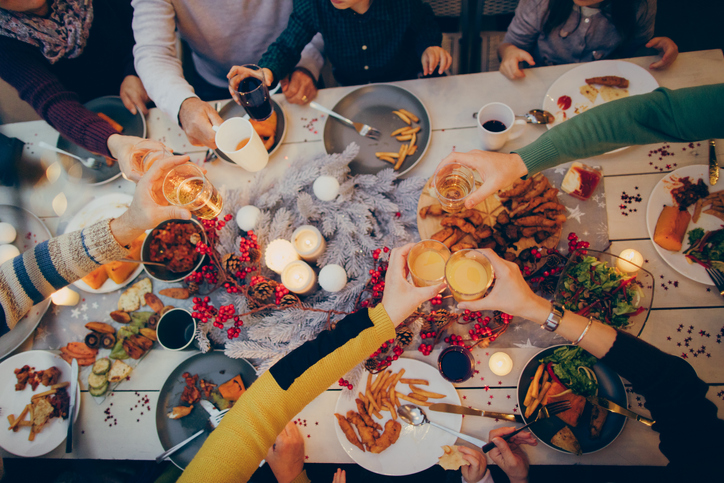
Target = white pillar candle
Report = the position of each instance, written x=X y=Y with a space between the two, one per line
x=500 y=364
x=326 y=188
x=630 y=261
x=65 y=296
x=247 y=216
x=332 y=278
x=279 y=254
x=308 y=242
x=299 y=278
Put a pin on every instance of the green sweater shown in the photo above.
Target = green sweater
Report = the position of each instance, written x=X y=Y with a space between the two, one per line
x=682 y=115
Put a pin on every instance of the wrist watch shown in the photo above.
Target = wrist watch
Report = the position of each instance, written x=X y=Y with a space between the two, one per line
x=554 y=318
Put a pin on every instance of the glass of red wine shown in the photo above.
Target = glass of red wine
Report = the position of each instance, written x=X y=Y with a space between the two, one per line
x=253 y=94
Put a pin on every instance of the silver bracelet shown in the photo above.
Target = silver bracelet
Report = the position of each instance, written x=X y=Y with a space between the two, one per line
x=583 y=334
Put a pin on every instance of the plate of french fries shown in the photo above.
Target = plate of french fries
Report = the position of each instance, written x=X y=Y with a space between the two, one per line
x=372 y=433
x=397 y=113
x=29 y=431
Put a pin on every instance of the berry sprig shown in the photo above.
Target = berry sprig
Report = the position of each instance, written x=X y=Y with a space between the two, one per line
x=345 y=383
x=279 y=292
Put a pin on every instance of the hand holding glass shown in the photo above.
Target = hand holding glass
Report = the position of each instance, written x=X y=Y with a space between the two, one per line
x=187 y=186
x=452 y=183
x=247 y=85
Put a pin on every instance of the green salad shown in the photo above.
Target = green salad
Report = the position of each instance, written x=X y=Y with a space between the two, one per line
x=592 y=288
x=572 y=367
x=706 y=248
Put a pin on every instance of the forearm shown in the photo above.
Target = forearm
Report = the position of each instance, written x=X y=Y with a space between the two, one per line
x=49 y=266
x=233 y=451
x=428 y=31
x=284 y=53
x=313 y=56
x=682 y=115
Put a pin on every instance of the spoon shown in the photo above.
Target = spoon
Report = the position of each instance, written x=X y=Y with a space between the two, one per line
x=159 y=264
x=416 y=417
x=91 y=163
x=538 y=116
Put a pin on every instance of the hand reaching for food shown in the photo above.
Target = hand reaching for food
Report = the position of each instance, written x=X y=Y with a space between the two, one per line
x=134 y=95
x=509 y=456
x=434 y=56
x=668 y=49
x=511 y=56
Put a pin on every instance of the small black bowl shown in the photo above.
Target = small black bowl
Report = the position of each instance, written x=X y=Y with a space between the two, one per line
x=162 y=274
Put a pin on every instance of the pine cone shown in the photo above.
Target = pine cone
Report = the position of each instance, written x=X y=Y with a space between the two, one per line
x=230 y=263
x=254 y=255
x=371 y=366
x=261 y=291
x=193 y=287
x=440 y=319
x=288 y=300
x=404 y=336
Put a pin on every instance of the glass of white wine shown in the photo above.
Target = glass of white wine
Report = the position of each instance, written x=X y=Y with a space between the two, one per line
x=452 y=184
x=187 y=186
x=145 y=153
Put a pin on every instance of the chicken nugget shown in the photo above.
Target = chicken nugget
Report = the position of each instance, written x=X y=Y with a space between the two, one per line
x=348 y=431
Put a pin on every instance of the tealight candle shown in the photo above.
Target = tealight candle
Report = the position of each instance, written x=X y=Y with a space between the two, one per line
x=299 y=278
x=630 y=261
x=500 y=364
x=279 y=254
x=308 y=242
x=65 y=296
x=332 y=278
x=326 y=188
x=247 y=216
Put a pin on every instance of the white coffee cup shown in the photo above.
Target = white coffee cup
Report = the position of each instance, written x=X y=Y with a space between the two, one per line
x=497 y=111
x=253 y=156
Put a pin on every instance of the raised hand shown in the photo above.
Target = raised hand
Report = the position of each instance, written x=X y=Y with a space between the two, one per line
x=434 y=56
x=668 y=49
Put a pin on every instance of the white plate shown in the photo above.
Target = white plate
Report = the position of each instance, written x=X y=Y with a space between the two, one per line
x=13 y=402
x=102 y=208
x=418 y=447
x=660 y=196
x=640 y=82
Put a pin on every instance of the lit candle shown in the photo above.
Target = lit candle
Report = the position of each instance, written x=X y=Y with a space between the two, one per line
x=65 y=296
x=299 y=278
x=332 y=278
x=308 y=242
x=630 y=261
x=279 y=254
x=500 y=364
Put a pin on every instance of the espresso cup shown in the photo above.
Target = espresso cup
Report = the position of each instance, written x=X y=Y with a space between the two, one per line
x=176 y=330
x=251 y=156
x=495 y=123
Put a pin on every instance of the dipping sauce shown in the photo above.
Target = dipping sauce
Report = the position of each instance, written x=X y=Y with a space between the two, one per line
x=456 y=364
x=581 y=181
x=564 y=102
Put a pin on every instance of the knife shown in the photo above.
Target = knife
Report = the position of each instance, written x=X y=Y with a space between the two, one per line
x=71 y=405
x=452 y=408
x=210 y=408
x=615 y=408
x=713 y=165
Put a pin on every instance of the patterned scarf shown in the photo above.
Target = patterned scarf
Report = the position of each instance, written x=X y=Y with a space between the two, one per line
x=62 y=34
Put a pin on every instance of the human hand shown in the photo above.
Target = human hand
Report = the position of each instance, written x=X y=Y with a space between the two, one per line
x=134 y=95
x=286 y=456
x=299 y=88
x=667 y=47
x=509 y=456
x=198 y=119
x=340 y=476
x=511 y=56
x=401 y=297
x=497 y=171
x=238 y=73
x=477 y=467
x=432 y=57
x=123 y=148
x=511 y=294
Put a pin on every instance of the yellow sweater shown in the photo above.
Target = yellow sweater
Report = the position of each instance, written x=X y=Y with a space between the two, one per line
x=233 y=450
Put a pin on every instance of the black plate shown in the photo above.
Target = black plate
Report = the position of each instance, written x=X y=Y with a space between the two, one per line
x=113 y=107
x=214 y=367
x=161 y=273
x=610 y=386
x=373 y=105
x=232 y=109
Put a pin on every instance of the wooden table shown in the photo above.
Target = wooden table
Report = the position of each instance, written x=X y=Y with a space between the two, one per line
x=451 y=102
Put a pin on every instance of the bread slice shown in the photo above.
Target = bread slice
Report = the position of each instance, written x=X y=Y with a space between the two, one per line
x=565 y=439
x=590 y=92
x=612 y=93
x=144 y=286
x=119 y=371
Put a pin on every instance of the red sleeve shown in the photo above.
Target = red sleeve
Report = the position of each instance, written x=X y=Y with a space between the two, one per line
x=23 y=67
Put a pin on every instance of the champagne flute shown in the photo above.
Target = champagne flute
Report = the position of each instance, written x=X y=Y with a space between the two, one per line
x=187 y=186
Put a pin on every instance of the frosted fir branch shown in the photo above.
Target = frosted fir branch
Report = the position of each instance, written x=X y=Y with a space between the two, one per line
x=306 y=208
x=354 y=377
x=249 y=349
x=202 y=338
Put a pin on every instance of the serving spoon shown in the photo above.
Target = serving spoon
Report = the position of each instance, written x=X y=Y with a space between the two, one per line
x=158 y=264
x=415 y=416
x=534 y=116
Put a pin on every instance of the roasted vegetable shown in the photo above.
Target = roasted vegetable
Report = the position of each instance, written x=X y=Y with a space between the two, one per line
x=101 y=366
x=108 y=341
x=93 y=340
x=120 y=316
x=100 y=327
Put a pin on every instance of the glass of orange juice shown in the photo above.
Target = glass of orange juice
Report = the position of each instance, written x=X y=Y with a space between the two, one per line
x=469 y=274
x=426 y=262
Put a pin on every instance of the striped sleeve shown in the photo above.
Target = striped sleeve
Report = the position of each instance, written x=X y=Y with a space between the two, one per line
x=31 y=277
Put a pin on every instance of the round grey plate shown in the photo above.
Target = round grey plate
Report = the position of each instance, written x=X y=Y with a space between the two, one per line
x=214 y=367
x=373 y=105
x=113 y=107
x=232 y=109
x=31 y=231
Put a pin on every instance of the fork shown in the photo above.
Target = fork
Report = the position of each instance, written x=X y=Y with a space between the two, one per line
x=545 y=412
x=718 y=278
x=363 y=129
x=91 y=163
x=213 y=420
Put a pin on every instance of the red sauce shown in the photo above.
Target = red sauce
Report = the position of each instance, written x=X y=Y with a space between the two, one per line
x=564 y=102
x=589 y=181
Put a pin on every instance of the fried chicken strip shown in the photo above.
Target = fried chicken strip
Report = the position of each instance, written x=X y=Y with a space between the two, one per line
x=388 y=438
x=431 y=210
x=348 y=431
x=365 y=416
x=366 y=434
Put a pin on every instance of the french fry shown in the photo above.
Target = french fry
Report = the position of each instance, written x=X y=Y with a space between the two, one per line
x=411 y=150
x=110 y=121
x=386 y=159
x=60 y=385
x=402 y=116
x=43 y=394
x=11 y=419
x=364 y=399
x=381 y=385
x=15 y=423
x=389 y=155
x=419 y=382
x=371 y=400
x=529 y=411
x=419 y=397
x=399 y=131
x=25 y=424
x=536 y=381
x=528 y=396
x=423 y=392
x=413 y=139
x=410 y=130
x=391 y=408
x=545 y=378
x=32 y=435
x=407 y=113
x=393 y=385
x=369 y=380
x=376 y=382
x=412 y=400
x=404 y=137
x=401 y=159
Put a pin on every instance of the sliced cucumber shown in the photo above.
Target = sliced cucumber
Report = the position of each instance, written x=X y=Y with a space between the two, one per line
x=97 y=380
x=101 y=366
x=98 y=391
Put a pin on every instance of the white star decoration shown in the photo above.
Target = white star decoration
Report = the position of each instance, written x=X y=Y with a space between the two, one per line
x=75 y=313
x=85 y=316
x=95 y=305
x=526 y=345
x=84 y=307
x=561 y=170
x=575 y=213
